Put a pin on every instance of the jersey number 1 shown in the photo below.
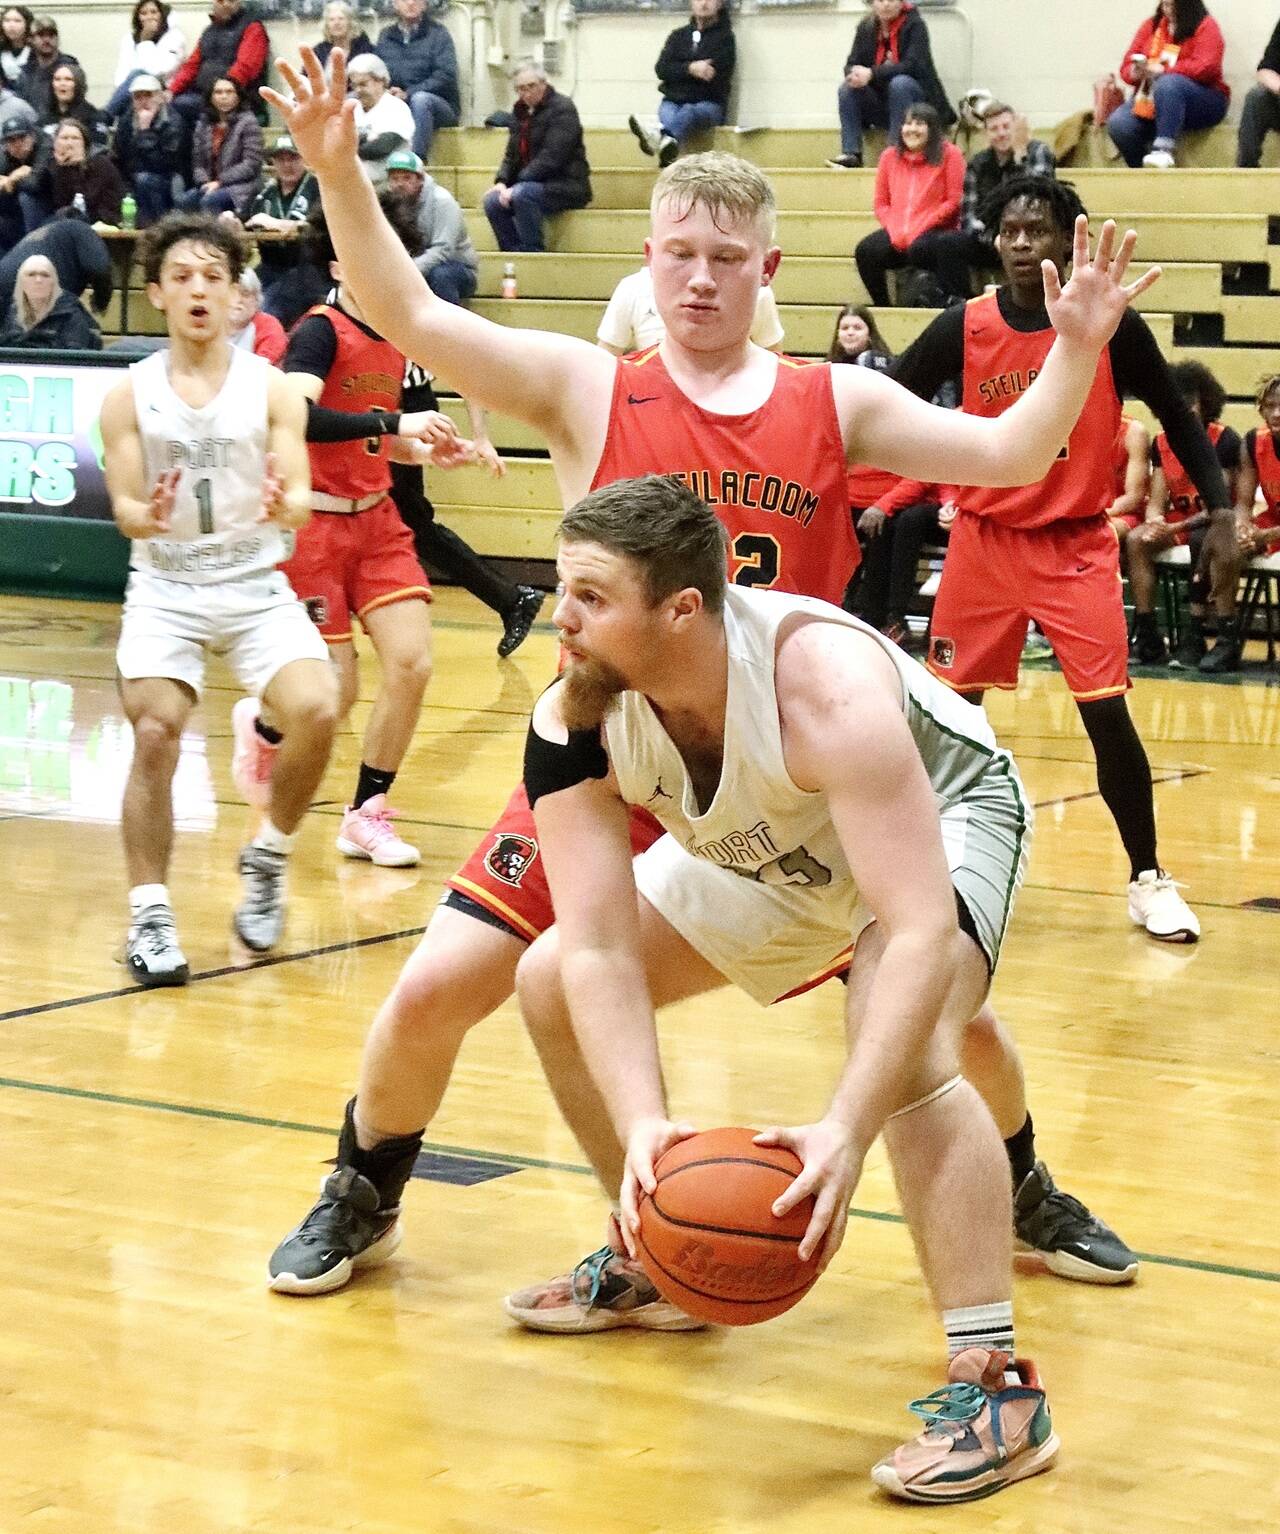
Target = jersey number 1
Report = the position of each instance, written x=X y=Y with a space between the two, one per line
x=204 y=504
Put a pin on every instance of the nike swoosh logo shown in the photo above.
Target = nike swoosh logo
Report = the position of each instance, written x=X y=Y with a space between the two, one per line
x=644 y=399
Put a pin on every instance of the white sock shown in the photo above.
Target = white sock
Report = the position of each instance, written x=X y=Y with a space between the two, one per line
x=143 y=895
x=980 y=1326
x=273 y=840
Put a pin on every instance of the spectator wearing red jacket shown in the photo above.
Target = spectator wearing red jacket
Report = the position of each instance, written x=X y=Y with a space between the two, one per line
x=249 y=327
x=1174 y=64
x=234 y=46
x=919 y=184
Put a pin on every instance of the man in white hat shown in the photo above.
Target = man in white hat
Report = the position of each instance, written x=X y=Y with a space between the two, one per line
x=148 y=148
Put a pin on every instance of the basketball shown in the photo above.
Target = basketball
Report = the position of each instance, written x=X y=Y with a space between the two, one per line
x=708 y=1236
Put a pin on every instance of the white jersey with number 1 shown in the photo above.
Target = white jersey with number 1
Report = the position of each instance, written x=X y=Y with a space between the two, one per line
x=221 y=448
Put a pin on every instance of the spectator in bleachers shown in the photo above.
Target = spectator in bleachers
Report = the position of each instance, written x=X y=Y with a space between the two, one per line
x=631 y=322
x=919 y=183
x=1174 y=64
x=447 y=259
x=695 y=73
x=420 y=54
x=69 y=101
x=544 y=169
x=148 y=149
x=77 y=170
x=1131 y=481
x=25 y=155
x=889 y=68
x=79 y=255
x=341 y=30
x=1260 y=114
x=36 y=81
x=15 y=42
x=152 y=46
x=384 y=122
x=234 y=46
x=281 y=206
x=1175 y=516
x=1011 y=151
x=248 y=327
x=857 y=339
x=42 y=316
x=227 y=158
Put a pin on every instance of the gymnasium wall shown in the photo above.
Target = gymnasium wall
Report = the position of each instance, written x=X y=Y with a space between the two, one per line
x=1041 y=54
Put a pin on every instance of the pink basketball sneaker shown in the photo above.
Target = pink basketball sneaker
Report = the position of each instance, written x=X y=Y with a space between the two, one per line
x=368 y=833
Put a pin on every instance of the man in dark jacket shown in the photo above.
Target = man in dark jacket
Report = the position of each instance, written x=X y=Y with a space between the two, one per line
x=23 y=163
x=36 y=80
x=1260 y=114
x=889 y=68
x=423 y=64
x=234 y=46
x=695 y=70
x=148 y=148
x=545 y=167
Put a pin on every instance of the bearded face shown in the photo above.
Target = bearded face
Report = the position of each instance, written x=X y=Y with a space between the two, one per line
x=590 y=686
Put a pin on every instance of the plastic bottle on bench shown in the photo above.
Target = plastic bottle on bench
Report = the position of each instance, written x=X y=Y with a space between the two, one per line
x=509 y=289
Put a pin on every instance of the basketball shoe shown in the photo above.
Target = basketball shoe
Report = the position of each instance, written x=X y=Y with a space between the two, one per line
x=608 y=1289
x=259 y=918
x=151 y=949
x=355 y=1223
x=1072 y=1242
x=252 y=758
x=1156 y=905
x=519 y=619
x=990 y=1426
x=367 y=833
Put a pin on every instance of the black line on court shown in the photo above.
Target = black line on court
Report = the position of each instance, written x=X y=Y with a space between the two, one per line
x=504 y=1163
x=1176 y=775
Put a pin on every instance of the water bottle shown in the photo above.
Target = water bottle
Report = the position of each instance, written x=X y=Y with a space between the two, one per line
x=128 y=212
x=80 y=206
x=509 y=289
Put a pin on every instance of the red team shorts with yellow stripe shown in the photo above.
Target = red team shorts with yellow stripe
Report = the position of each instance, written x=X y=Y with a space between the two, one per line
x=348 y=564
x=1065 y=576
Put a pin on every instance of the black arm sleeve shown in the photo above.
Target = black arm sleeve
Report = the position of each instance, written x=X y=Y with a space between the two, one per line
x=1228 y=450
x=935 y=357
x=313 y=346
x=550 y=766
x=1139 y=369
x=325 y=425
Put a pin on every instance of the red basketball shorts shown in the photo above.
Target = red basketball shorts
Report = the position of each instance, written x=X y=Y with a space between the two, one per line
x=1065 y=576
x=347 y=564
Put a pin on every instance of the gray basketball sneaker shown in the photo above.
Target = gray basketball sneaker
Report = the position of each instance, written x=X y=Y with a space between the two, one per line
x=151 y=949
x=1072 y=1242
x=259 y=918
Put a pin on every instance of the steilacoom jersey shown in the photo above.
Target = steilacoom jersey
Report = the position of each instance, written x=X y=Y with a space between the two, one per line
x=775 y=476
x=214 y=532
x=1262 y=449
x=759 y=825
x=1120 y=459
x=1000 y=365
x=367 y=374
x=1184 y=499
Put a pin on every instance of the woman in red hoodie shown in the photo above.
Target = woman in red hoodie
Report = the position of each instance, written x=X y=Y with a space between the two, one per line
x=919 y=183
x=1174 y=64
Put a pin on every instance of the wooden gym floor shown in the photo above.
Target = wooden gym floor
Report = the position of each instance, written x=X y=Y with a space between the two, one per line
x=158 y=1144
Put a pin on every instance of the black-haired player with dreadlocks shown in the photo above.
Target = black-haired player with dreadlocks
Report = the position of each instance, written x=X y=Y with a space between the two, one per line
x=1046 y=552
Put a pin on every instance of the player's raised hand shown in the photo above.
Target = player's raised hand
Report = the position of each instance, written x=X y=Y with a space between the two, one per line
x=320 y=119
x=1087 y=311
x=160 y=507
x=645 y=1144
x=832 y=1167
x=430 y=426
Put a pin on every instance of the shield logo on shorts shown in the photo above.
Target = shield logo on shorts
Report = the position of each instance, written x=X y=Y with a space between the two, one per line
x=510 y=857
x=942 y=653
x=317 y=610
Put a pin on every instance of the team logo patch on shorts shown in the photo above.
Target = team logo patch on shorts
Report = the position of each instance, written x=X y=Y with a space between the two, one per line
x=510 y=856
x=942 y=653
x=317 y=610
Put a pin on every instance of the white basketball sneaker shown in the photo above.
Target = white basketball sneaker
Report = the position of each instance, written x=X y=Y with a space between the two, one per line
x=1154 y=903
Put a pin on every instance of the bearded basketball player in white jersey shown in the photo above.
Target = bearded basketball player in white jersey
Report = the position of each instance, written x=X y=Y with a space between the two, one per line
x=820 y=786
x=206 y=466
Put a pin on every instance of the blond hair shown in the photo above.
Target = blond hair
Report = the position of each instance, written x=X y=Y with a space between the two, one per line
x=729 y=188
x=30 y=314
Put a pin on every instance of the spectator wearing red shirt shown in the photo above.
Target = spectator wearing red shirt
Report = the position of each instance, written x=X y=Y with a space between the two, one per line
x=249 y=328
x=919 y=184
x=1174 y=64
x=234 y=46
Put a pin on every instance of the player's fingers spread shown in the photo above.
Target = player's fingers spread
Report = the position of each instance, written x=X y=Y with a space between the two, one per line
x=1051 y=280
x=1106 y=246
x=314 y=71
x=801 y=1188
x=774 y=1136
x=835 y=1236
x=338 y=75
x=1148 y=279
x=815 y=1230
x=1124 y=255
x=1080 y=242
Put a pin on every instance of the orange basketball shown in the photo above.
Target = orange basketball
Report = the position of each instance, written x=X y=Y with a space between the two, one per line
x=709 y=1238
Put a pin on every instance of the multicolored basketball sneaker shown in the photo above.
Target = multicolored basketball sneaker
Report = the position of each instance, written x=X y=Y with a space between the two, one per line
x=986 y=1429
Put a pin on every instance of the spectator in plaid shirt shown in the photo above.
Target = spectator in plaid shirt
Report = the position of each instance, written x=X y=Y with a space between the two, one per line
x=1010 y=153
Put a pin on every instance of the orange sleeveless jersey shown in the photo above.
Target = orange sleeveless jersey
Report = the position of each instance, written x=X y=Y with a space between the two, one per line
x=775 y=477
x=1184 y=499
x=1267 y=462
x=366 y=375
x=1000 y=364
x=1120 y=459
